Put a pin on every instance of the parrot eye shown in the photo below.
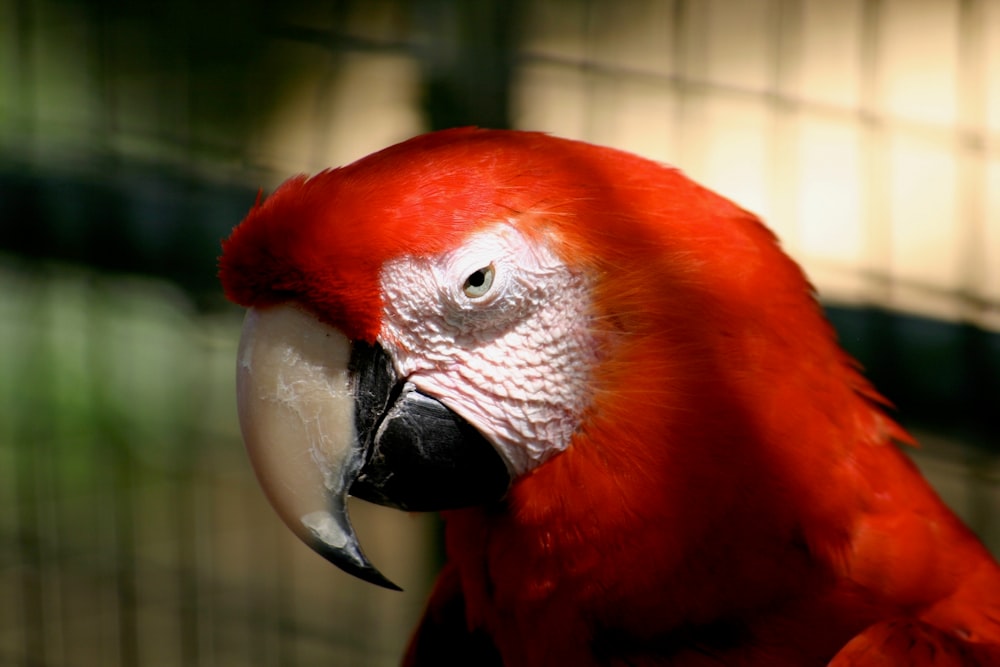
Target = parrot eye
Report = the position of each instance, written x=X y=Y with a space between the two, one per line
x=479 y=282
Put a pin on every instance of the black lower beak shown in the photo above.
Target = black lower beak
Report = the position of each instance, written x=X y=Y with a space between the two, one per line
x=419 y=455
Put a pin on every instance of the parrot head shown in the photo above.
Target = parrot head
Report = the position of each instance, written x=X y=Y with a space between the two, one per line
x=433 y=325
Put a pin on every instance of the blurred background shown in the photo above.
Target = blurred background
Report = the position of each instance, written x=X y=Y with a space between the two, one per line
x=133 y=136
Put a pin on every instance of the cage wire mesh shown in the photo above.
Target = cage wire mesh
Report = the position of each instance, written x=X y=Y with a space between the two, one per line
x=132 y=138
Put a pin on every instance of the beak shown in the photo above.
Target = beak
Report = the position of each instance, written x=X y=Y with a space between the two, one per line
x=323 y=417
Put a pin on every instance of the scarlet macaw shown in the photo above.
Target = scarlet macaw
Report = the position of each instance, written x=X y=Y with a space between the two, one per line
x=622 y=395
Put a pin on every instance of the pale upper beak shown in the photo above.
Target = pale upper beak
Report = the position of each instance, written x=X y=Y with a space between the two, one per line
x=323 y=416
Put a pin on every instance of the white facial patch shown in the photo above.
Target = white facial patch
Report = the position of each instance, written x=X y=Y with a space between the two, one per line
x=497 y=330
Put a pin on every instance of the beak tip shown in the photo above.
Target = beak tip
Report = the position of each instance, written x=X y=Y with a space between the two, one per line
x=353 y=563
x=335 y=541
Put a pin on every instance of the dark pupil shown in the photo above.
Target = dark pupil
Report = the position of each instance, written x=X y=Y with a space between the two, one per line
x=477 y=279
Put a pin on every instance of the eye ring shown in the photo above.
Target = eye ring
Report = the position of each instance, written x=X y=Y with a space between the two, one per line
x=479 y=282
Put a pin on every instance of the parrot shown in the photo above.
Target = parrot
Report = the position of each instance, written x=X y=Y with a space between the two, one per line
x=621 y=395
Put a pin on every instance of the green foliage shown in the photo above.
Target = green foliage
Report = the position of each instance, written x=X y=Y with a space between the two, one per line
x=98 y=368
